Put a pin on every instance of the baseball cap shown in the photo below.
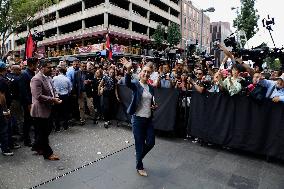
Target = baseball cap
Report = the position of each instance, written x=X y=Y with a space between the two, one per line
x=2 y=64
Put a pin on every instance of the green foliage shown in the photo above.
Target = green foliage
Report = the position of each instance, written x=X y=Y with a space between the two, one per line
x=247 y=19
x=16 y=13
x=159 y=35
x=272 y=63
x=174 y=34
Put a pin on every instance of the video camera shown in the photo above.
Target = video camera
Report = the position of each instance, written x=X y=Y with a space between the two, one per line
x=38 y=36
x=254 y=54
x=191 y=59
x=231 y=42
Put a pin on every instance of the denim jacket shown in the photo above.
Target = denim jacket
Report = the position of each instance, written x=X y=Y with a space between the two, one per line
x=137 y=91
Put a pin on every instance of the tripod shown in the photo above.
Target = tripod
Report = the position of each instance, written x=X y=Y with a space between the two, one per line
x=267 y=24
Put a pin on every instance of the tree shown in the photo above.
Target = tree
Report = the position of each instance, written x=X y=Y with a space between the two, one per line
x=273 y=63
x=174 y=34
x=18 y=13
x=159 y=35
x=247 y=19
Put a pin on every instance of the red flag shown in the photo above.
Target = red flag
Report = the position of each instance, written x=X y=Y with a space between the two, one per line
x=29 y=46
x=108 y=47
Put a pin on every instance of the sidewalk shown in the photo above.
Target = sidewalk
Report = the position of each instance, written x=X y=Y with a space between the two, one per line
x=175 y=164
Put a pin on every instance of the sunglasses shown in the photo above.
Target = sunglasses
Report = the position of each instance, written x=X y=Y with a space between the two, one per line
x=199 y=73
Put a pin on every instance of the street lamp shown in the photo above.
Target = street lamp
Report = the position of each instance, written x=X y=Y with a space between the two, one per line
x=211 y=9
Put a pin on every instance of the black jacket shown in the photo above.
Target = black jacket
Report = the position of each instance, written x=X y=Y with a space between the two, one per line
x=25 y=88
x=13 y=81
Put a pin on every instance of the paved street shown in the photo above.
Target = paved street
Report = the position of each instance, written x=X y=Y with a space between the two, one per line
x=76 y=147
x=172 y=164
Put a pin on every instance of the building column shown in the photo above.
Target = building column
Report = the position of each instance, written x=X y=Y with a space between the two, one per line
x=130 y=26
x=83 y=24
x=58 y=31
x=106 y=24
x=83 y=5
x=43 y=20
x=57 y=15
x=130 y=12
x=130 y=7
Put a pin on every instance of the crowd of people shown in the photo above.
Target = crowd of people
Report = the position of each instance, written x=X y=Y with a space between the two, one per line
x=45 y=97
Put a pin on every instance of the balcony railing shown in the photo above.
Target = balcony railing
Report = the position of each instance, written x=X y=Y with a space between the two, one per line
x=93 y=11
x=74 y=34
x=70 y=18
x=55 y=7
x=129 y=33
x=159 y=11
x=141 y=3
x=139 y=19
x=119 y=11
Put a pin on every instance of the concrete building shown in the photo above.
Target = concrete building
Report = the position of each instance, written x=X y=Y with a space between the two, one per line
x=219 y=31
x=82 y=20
x=191 y=26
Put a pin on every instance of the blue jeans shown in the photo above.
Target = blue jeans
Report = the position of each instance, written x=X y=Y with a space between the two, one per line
x=144 y=137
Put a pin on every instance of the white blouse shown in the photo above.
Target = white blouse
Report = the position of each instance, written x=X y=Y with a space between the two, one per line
x=144 y=108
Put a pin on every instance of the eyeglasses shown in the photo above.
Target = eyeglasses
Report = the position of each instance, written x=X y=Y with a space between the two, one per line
x=199 y=73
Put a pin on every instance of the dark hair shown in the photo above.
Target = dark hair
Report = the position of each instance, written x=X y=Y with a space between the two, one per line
x=199 y=69
x=62 y=70
x=239 y=67
x=32 y=61
x=43 y=63
x=2 y=69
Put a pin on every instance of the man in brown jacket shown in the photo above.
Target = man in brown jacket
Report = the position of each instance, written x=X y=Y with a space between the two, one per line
x=43 y=98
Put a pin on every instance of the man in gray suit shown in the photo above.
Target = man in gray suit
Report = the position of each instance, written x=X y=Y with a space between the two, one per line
x=43 y=98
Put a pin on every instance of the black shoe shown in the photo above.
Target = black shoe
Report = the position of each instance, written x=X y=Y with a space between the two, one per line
x=16 y=146
x=28 y=144
x=57 y=130
x=82 y=122
x=7 y=153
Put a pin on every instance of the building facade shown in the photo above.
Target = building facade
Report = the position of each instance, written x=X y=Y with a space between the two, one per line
x=191 y=23
x=219 y=31
x=74 y=22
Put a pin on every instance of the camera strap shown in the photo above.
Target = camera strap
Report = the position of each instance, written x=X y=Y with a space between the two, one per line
x=271 y=92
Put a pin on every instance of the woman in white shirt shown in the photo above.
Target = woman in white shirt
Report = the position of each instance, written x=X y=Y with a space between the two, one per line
x=141 y=109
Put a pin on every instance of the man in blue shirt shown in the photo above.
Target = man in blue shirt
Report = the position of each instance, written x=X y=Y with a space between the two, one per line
x=63 y=87
x=275 y=89
x=74 y=97
x=71 y=70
